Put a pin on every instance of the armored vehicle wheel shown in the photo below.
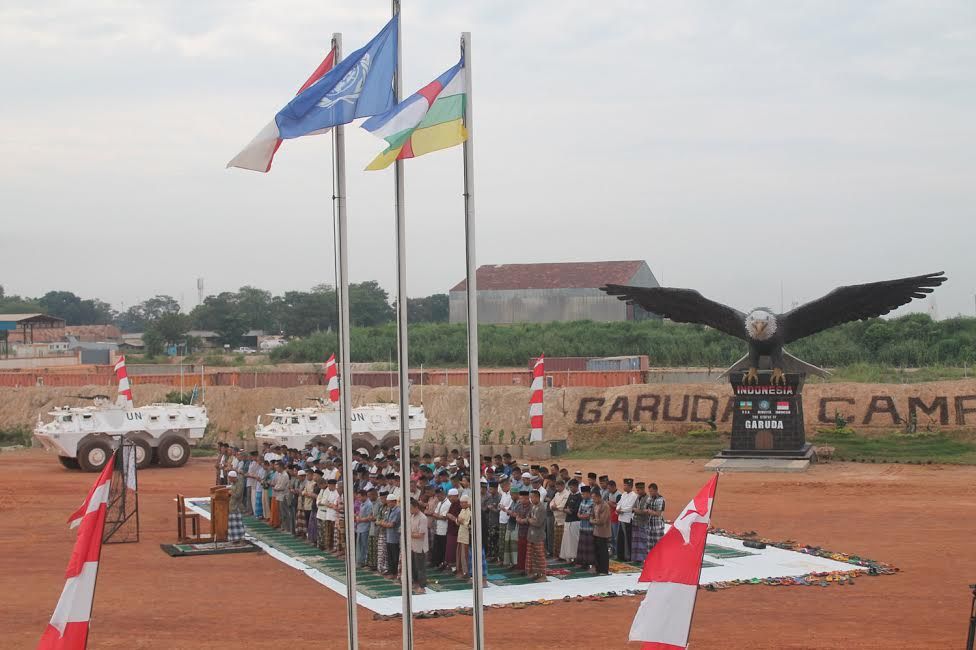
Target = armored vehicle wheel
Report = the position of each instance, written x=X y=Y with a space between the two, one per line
x=174 y=452
x=144 y=453
x=70 y=463
x=93 y=455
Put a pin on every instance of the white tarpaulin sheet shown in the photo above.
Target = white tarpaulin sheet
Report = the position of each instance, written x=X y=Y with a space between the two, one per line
x=761 y=563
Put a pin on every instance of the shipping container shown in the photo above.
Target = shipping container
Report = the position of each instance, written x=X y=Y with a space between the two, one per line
x=557 y=364
x=613 y=364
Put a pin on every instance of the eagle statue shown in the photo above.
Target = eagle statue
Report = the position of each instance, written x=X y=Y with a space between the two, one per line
x=766 y=332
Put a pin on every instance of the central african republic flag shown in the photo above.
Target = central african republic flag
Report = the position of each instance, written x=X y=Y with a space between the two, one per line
x=429 y=120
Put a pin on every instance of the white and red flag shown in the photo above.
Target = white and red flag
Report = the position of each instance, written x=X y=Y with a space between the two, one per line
x=535 y=399
x=332 y=379
x=259 y=153
x=125 y=389
x=68 y=629
x=673 y=567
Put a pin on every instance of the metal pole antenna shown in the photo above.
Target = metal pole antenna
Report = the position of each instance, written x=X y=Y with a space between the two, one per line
x=474 y=415
x=403 y=367
x=345 y=374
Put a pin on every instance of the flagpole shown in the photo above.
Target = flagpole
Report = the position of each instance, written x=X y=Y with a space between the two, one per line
x=694 y=603
x=474 y=415
x=345 y=374
x=403 y=366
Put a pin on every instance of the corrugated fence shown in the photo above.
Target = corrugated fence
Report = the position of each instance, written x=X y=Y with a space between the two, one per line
x=105 y=376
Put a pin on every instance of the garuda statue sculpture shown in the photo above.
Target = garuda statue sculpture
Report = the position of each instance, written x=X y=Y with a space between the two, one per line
x=767 y=332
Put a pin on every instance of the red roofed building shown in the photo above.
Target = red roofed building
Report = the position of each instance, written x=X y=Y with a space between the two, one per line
x=546 y=292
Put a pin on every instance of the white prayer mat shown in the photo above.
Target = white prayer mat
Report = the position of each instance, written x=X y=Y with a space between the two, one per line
x=726 y=559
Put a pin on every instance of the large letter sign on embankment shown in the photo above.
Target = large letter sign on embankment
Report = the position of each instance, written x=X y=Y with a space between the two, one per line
x=937 y=405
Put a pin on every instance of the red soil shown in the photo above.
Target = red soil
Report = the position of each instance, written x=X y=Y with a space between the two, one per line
x=920 y=518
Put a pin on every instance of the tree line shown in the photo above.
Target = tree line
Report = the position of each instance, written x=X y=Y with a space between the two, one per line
x=909 y=341
x=310 y=318
x=231 y=314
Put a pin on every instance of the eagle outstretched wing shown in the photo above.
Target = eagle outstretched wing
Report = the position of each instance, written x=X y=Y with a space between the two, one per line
x=855 y=302
x=683 y=306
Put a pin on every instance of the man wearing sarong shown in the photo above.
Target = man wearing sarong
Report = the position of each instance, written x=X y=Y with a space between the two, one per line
x=235 y=516
x=600 y=521
x=490 y=503
x=378 y=533
x=364 y=518
x=301 y=510
x=642 y=520
x=584 y=552
x=318 y=484
x=548 y=492
x=571 y=530
x=655 y=531
x=327 y=515
x=391 y=526
x=535 y=564
x=521 y=510
x=557 y=508
x=339 y=541
x=279 y=486
x=507 y=520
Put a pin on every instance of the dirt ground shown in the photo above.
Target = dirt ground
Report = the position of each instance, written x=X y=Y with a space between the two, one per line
x=920 y=518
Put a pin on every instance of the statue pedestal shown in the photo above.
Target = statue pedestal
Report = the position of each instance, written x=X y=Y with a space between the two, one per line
x=768 y=419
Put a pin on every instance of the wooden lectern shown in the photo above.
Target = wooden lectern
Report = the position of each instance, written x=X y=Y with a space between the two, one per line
x=219 y=510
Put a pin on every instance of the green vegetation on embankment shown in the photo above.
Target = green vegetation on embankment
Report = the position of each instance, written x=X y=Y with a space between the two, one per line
x=917 y=448
x=911 y=341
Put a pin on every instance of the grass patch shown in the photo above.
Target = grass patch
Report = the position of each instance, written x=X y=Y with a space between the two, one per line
x=870 y=373
x=15 y=436
x=901 y=448
x=919 y=448
x=648 y=446
x=202 y=452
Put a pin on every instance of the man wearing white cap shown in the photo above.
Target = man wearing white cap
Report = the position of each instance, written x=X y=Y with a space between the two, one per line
x=302 y=506
x=454 y=498
x=391 y=524
x=235 y=518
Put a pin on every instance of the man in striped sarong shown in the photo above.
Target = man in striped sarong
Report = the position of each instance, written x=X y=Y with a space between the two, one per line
x=509 y=548
x=535 y=562
x=491 y=519
x=235 y=516
x=585 y=553
x=655 y=531
x=640 y=524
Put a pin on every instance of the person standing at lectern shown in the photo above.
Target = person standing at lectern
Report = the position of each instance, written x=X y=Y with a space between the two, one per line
x=235 y=517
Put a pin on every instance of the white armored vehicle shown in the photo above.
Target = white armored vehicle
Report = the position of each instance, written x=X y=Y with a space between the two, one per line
x=372 y=425
x=85 y=437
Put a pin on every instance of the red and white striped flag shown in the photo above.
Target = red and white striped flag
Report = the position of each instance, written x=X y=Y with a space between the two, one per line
x=332 y=379
x=673 y=567
x=535 y=399
x=125 y=390
x=68 y=629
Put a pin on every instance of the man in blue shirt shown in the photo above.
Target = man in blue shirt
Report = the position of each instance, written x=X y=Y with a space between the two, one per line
x=363 y=521
x=392 y=527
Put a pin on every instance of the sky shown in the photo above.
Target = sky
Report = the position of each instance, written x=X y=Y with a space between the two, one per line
x=760 y=152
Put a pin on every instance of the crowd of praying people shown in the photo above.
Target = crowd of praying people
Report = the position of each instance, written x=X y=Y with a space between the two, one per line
x=528 y=513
